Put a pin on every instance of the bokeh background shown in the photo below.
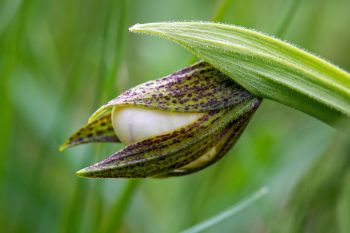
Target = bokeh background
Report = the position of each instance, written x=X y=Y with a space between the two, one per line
x=60 y=60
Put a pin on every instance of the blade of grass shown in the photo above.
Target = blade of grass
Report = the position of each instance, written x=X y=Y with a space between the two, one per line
x=34 y=179
x=112 y=49
x=115 y=216
x=8 y=11
x=235 y=209
x=265 y=66
x=115 y=39
x=221 y=10
x=313 y=205
x=104 y=83
x=116 y=18
x=120 y=42
x=6 y=118
x=287 y=17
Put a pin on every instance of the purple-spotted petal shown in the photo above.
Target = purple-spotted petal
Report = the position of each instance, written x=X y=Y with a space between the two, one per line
x=99 y=130
x=198 y=88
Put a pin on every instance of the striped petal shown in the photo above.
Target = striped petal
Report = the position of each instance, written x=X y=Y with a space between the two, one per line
x=168 y=152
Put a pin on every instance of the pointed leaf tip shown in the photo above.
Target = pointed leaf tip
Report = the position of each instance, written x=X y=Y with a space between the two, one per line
x=145 y=27
x=93 y=171
x=84 y=173
x=63 y=147
x=134 y=28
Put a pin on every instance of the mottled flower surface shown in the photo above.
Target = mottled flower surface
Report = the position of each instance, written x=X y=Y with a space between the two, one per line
x=220 y=110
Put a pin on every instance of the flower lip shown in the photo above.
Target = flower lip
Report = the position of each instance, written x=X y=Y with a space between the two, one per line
x=132 y=124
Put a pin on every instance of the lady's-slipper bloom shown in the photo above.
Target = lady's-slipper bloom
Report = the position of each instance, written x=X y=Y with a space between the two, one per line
x=172 y=126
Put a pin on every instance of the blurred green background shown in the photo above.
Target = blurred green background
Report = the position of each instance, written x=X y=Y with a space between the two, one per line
x=60 y=60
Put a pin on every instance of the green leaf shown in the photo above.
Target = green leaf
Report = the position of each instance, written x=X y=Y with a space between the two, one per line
x=266 y=66
x=229 y=212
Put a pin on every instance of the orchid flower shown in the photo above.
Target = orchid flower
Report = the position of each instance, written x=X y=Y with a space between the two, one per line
x=172 y=126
